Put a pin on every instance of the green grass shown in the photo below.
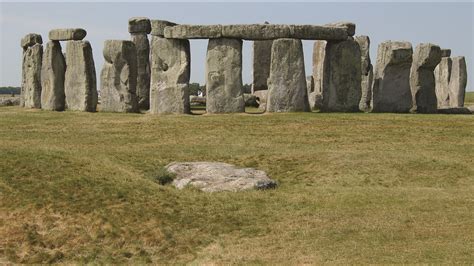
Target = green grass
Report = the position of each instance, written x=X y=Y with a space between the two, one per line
x=353 y=188
x=469 y=98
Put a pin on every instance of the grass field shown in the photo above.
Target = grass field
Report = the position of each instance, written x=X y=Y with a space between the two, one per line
x=353 y=188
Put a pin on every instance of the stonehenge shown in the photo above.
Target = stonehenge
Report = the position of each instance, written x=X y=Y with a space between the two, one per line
x=316 y=96
x=32 y=45
x=67 y=34
x=53 y=72
x=442 y=74
x=262 y=51
x=139 y=28
x=367 y=73
x=457 y=82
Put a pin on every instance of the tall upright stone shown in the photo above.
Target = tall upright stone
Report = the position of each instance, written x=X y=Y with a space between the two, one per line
x=422 y=81
x=80 y=80
x=32 y=45
x=224 y=90
x=319 y=53
x=52 y=77
x=287 y=90
x=391 y=89
x=341 y=77
x=442 y=75
x=457 y=82
x=119 y=77
x=171 y=68
x=367 y=73
x=139 y=28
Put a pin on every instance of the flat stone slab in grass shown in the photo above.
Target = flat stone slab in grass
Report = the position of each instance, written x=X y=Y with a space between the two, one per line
x=215 y=177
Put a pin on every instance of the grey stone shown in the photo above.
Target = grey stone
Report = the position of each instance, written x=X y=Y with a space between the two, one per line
x=309 y=84
x=224 y=76
x=197 y=100
x=80 y=79
x=287 y=82
x=250 y=100
x=215 y=177
x=367 y=73
x=366 y=93
x=422 y=81
x=171 y=66
x=445 y=52
x=455 y=110
x=139 y=25
x=119 y=77
x=31 y=76
x=262 y=51
x=67 y=34
x=391 y=90
x=442 y=75
x=53 y=71
x=261 y=99
x=193 y=31
x=143 y=69
x=457 y=82
x=319 y=53
x=349 y=26
x=158 y=27
x=30 y=40
x=342 y=77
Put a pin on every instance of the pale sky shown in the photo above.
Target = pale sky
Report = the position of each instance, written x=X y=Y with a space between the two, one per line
x=449 y=25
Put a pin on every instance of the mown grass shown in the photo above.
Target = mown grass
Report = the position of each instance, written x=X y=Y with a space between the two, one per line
x=354 y=188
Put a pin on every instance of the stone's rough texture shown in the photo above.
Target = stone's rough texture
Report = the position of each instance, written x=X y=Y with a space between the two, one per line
x=457 y=82
x=139 y=25
x=9 y=101
x=67 y=34
x=30 y=40
x=80 y=80
x=215 y=177
x=391 y=89
x=256 y=32
x=224 y=76
x=262 y=51
x=158 y=27
x=143 y=69
x=197 y=100
x=342 y=77
x=119 y=77
x=319 y=53
x=442 y=74
x=31 y=76
x=309 y=84
x=261 y=99
x=171 y=66
x=445 y=52
x=53 y=70
x=287 y=82
x=349 y=26
x=455 y=110
x=367 y=73
x=422 y=81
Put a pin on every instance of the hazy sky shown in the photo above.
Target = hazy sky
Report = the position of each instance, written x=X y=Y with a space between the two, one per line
x=449 y=25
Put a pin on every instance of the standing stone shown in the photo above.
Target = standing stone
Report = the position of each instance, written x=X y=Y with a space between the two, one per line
x=119 y=77
x=52 y=77
x=262 y=51
x=319 y=53
x=367 y=73
x=287 y=90
x=80 y=81
x=139 y=28
x=422 y=81
x=457 y=82
x=391 y=89
x=341 y=77
x=442 y=75
x=31 y=71
x=224 y=76
x=171 y=69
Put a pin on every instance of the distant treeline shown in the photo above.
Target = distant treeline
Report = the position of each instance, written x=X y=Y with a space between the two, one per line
x=10 y=90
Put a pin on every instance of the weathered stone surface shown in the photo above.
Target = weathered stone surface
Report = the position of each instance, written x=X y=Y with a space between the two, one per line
x=442 y=75
x=366 y=87
x=31 y=76
x=342 y=77
x=457 y=82
x=139 y=25
x=30 y=40
x=224 y=76
x=422 y=81
x=197 y=100
x=309 y=84
x=256 y=32
x=445 y=52
x=80 y=80
x=391 y=89
x=287 y=82
x=171 y=69
x=319 y=53
x=158 y=27
x=349 y=26
x=261 y=99
x=143 y=69
x=262 y=51
x=215 y=177
x=367 y=73
x=455 y=110
x=67 y=34
x=119 y=77
x=53 y=70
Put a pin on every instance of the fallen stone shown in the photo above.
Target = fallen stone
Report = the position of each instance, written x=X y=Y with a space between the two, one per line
x=455 y=110
x=457 y=82
x=250 y=100
x=216 y=177
x=80 y=79
x=391 y=90
x=139 y=25
x=31 y=76
x=262 y=51
x=67 y=34
x=158 y=27
x=287 y=82
x=224 y=76
x=119 y=77
x=261 y=99
x=442 y=75
x=9 y=101
x=30 y=40
x=349 y=26
x=197 y=100
x=143 y=69
x=422 y=81
x=171 y=69
x=53 y=72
